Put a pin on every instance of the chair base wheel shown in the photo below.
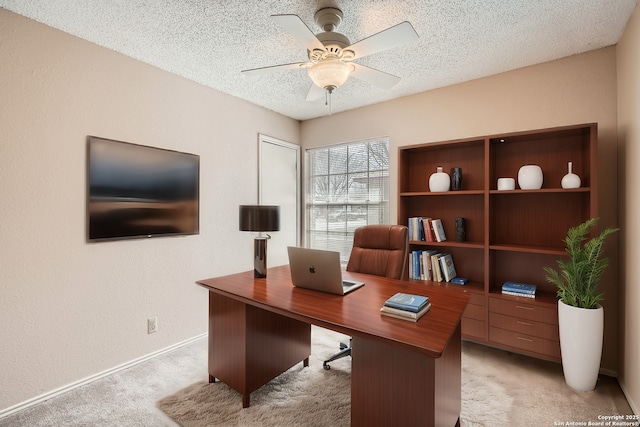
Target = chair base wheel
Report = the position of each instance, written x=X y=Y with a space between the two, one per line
x=326 y=366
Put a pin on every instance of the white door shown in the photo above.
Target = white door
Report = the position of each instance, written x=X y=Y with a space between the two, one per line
x=279 y=184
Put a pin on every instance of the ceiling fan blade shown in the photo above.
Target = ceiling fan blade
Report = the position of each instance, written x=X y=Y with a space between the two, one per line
x=315 y=92
x=375 y=77
x=266 y=70
x=398 y=35
x=294 y=25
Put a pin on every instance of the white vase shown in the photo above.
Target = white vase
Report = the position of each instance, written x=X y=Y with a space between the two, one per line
x=530 y=177
x=581 y=336
x=439 y=181
x=570 y=180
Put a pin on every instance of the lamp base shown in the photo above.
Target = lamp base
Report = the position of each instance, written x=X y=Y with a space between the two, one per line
x=260 y=257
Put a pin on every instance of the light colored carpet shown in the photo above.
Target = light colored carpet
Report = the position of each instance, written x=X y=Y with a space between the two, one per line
x=301 y=396
x=498 y=389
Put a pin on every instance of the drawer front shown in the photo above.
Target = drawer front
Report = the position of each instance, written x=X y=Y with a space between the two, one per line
x=523 y=310
x=528 y=343
x=524 y=326
x=472 y=328
x=474 y=312
x=476 y=299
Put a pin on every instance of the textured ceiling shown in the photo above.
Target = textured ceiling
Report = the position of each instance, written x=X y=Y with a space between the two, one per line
x=211 y=41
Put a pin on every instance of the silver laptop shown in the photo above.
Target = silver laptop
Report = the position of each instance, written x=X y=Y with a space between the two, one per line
x=319 y=270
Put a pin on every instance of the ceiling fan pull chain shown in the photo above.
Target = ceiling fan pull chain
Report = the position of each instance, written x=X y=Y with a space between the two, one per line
x=327 y=97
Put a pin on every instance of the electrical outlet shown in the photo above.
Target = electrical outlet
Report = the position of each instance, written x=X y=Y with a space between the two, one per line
x=152 y=325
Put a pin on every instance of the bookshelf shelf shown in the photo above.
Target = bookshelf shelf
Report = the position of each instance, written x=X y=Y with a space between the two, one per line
x=473 y=287
x=444 y=194
x=542 y=190
x=556 y=251
x=544 y=298
x=511 y=235
x=452 y=243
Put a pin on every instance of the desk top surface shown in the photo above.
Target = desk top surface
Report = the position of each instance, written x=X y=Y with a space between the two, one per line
x=355 y=314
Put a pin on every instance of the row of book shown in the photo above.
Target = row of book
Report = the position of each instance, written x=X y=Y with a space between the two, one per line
x=432 y=265
x=406 y=306
x=519 y=289
x=426 y=229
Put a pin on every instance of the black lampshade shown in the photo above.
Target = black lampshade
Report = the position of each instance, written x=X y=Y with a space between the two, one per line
x=259 y=218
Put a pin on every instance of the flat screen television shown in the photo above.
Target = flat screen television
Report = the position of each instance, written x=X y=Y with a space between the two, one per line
x=136 y=191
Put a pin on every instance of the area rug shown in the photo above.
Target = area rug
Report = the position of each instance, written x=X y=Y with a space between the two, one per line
x=498 y=389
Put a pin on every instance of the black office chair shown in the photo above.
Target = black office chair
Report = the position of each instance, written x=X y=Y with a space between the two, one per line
x=380 y=250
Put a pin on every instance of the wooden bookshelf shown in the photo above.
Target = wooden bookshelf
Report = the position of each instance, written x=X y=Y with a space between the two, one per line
x=511 y=235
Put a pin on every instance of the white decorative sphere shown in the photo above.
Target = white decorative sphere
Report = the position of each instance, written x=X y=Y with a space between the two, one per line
x=530 y=177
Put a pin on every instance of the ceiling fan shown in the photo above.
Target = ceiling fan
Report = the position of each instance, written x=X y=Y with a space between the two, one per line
x=331 y=54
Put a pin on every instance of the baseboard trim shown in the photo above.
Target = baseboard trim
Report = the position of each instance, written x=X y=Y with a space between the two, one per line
x=608 y=372
x=634 y=407
x=64 y=389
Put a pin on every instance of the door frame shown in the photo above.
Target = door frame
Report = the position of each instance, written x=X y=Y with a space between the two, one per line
x=265 y=139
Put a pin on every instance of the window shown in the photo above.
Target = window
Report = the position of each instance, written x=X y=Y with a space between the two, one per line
x=347 y=187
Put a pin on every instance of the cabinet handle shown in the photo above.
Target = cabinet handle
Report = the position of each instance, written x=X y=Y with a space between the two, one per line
x=524 y=339
x=524 y=323
x=524 y=308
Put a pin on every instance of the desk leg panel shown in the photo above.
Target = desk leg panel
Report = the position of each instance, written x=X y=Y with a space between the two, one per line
x=394 y=385
x=249 y=346
x=449 y=382
x=227 y=341
x=275 y=344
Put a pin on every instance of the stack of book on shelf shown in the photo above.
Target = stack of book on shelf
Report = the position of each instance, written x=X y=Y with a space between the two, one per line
x=426 y=229
x=519 y=289
x=431 y=265
x=406 y=306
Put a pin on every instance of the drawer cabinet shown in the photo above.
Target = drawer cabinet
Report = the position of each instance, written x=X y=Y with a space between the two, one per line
x=528 y=327
x=524 y=326
x=472 y=328
x=518 y=308
x=473 y=318
x=474 y=312
x=528 y=343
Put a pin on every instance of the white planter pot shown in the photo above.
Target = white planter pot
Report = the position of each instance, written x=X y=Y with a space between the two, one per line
x=581 y=336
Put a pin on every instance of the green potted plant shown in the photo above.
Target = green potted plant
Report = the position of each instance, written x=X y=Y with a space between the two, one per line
x=580 y=315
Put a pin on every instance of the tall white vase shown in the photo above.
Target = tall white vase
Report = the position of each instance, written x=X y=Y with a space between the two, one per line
x=570 y=180
x=581 y=336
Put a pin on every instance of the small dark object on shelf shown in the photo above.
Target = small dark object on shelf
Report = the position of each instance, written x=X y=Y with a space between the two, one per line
x=456 y=179
x=461 y=230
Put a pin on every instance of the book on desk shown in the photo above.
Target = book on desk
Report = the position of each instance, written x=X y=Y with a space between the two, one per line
x=406 y=306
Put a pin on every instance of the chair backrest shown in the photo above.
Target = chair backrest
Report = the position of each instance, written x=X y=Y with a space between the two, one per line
x=380 y=250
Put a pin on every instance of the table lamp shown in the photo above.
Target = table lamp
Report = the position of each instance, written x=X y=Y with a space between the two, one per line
x=260 y=218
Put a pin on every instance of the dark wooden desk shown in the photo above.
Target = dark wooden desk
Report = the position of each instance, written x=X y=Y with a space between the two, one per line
x=403 y=373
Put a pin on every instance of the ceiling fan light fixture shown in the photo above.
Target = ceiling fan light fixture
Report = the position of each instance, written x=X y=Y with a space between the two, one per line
x=330 y=73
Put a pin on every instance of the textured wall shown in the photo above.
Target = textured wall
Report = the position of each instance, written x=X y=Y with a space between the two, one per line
x=573 y=90
x=69 y=309
x=629 y=176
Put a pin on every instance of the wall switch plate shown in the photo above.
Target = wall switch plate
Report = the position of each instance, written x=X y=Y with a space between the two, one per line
x=152 y=325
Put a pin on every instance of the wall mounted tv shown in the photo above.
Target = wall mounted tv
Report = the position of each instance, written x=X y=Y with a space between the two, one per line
x=136 y=191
